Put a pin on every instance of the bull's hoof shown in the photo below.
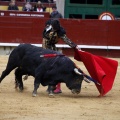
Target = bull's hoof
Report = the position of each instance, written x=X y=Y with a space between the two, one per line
x=21 y=89
x=34 y=95
x=51 y=95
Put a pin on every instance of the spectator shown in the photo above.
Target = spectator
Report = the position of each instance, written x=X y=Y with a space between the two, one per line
x=39 y=7
x=55 y=13
x=27 y=7
x=50 y=1
x=54 y=1
x=12 y=5
x=47 y=1
x=33 y=0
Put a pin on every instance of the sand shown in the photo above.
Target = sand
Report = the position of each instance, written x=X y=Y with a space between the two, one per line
x=15 y=105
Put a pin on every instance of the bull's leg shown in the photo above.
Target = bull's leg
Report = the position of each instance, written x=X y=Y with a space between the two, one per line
x=18 y=79
x=38 y=77
x=39 y=72
x=16 y=83
x=36 y=86
x=51 y=89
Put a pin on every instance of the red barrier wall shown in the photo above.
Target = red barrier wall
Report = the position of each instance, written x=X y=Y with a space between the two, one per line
x=82 y=32
x=24 y=14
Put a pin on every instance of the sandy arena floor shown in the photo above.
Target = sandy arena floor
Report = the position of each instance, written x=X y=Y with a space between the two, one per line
x=15 y=105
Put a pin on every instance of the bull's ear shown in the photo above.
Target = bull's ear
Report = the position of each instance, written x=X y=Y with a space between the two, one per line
x=77 y=72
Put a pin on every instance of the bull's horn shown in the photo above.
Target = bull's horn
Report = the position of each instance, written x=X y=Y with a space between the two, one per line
x=77 y=72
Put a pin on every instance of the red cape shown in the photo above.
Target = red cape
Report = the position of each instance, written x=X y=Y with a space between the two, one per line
x=100 y=68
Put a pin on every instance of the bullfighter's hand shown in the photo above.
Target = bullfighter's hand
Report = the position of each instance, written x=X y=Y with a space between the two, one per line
x=78 y=48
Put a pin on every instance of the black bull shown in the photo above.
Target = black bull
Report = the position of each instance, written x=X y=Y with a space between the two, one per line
x=46 y=71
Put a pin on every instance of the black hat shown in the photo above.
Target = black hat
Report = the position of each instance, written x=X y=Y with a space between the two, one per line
x=55 y=24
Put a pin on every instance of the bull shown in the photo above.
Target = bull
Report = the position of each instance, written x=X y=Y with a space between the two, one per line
x=26 y=59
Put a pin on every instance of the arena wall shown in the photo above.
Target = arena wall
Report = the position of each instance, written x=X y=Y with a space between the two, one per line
x=96 y=36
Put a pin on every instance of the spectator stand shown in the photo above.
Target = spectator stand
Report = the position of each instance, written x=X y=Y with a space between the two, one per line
x=4 y=5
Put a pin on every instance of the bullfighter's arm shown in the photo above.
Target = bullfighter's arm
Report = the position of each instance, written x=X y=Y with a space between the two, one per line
x=68 y=41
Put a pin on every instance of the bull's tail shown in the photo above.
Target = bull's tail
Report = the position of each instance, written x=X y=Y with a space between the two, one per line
x=13 y=62
x=4 y=74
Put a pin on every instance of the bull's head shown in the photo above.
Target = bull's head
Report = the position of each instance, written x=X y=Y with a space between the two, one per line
x=75 y=84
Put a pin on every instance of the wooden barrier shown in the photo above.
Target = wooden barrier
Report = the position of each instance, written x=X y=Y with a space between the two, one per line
x=97 y=36
x=24 y=14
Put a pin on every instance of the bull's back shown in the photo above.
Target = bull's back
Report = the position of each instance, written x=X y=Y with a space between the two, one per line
x=30 y=54
x=30 y=50
x=27 y=49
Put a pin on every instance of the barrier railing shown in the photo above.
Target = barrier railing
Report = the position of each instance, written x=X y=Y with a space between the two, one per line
x=24 y=14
